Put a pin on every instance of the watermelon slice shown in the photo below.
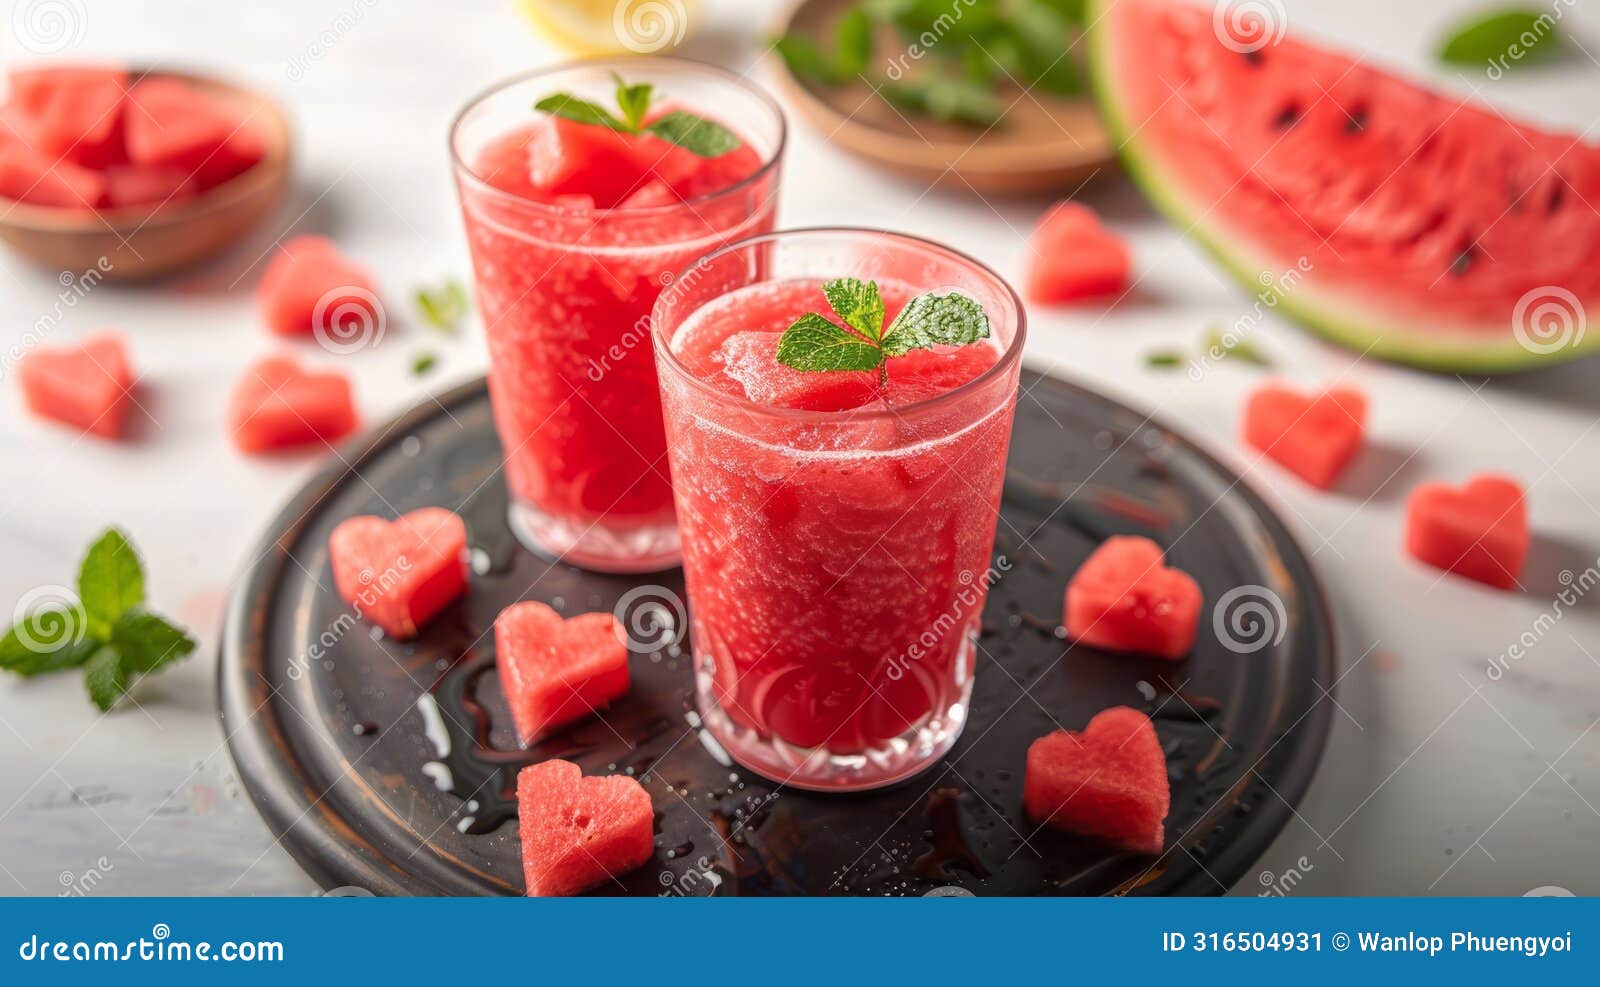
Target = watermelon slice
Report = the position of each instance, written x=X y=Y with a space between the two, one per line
x=132 y=185
x=310 y=288
x=579 y=832
x=1108 y=782
x=28 y=176
x=278 y=404
x=1124 y=598
x=1071 y=256
x=71 y=111
x=172 y=126
x=1479 y=531
x=88 y=386
x=1406 y=223
x=555 y=671
x=399 y=574
x=1314 y=437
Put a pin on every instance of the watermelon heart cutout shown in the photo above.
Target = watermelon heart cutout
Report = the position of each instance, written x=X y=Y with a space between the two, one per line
x=1125 y=598
x=555 y=671
x=579 y=832
x=1313 y=436
x=399 y=574
x=1409 y=224
x=1479 y=531
x=1071 y=256
x=88 y=386
x=1108 y=782
x=278 y=404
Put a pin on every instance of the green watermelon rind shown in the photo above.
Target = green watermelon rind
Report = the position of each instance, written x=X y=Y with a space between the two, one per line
x=1332 y=317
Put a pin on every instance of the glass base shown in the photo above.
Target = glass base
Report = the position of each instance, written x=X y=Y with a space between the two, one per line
x=820 y=770
x=596 y=546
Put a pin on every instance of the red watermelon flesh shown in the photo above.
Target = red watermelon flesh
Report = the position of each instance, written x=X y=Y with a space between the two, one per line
x=1479 y=531
x=74 y=112
x=1313 y=436
x=312 y=288
x=580 y=832
x=1400 y=221
x=171 y=125
x=1124 y=598
x=28 y=176
x=131 y=185
x=1071 y=256
x=399 y=574
x=1108 y=782
x=88 y=386
x=555 y=671
x=277 y=404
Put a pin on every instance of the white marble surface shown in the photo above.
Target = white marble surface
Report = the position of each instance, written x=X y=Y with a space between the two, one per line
x=1437 y=780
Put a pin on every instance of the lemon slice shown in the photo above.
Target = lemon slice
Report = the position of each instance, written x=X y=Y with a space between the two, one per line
x=610 y=27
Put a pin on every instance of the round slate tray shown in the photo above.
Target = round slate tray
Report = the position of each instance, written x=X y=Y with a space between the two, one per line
x=390 y=766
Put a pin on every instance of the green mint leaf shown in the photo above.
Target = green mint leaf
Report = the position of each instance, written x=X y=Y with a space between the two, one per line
x=1520 y=36
x=852 y=43
x=581 y=110
x=694 y=134
x=110 y=582
x=422 y=363
x=634 y=101
x=960 y=101
x=445 y=307
x=814 y=343
x=147 y=642
x=46 y=641
x=1163 y=359
x=858 y=303
x=807 y=61
x=931 y=319
x=105 y=677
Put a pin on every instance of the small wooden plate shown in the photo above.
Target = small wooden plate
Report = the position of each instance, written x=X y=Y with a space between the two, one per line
x=1046 y=142
x=143 y=242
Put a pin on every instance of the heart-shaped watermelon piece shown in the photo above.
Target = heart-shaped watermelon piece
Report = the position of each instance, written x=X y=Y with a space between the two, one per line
x=1071 y=256
x=1125 y=598
x=1479 y=531
x=1108 y=782
x=399 y=574
x=88 y=386
x=579 y=832
x=278 y=404
x=1314 y=436
x=312 y=288
x=555 y=671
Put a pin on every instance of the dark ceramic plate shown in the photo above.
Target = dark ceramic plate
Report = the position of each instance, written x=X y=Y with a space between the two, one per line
x=388 y=766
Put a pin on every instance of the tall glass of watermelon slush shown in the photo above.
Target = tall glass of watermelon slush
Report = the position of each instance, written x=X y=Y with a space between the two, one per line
x=574 y=228
x=837 y=525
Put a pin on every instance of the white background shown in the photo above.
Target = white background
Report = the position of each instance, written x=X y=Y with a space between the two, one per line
x=1437 y=780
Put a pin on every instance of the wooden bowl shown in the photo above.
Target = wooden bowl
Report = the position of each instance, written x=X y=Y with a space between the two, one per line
x=144 y=242
x=1045 y=142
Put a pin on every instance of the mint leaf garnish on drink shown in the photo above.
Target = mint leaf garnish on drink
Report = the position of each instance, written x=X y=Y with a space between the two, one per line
x=814 y=342
x=697 y=135
x=108 y=632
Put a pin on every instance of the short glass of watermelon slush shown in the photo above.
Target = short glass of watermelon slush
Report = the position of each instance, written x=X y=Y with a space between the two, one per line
x=574 y=228
x=837 y=525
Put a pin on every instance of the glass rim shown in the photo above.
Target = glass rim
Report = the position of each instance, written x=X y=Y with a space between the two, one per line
x=461 y=167
x=1009 y=357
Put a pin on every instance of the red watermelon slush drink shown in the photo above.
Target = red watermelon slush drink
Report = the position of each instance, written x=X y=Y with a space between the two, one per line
x=577 y=212
x=837 y=523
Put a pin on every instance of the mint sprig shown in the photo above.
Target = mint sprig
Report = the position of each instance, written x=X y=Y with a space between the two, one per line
x=444 y=308
x=695 y=134
x=108 y=632
x=815 y=343
x=1506 y=38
